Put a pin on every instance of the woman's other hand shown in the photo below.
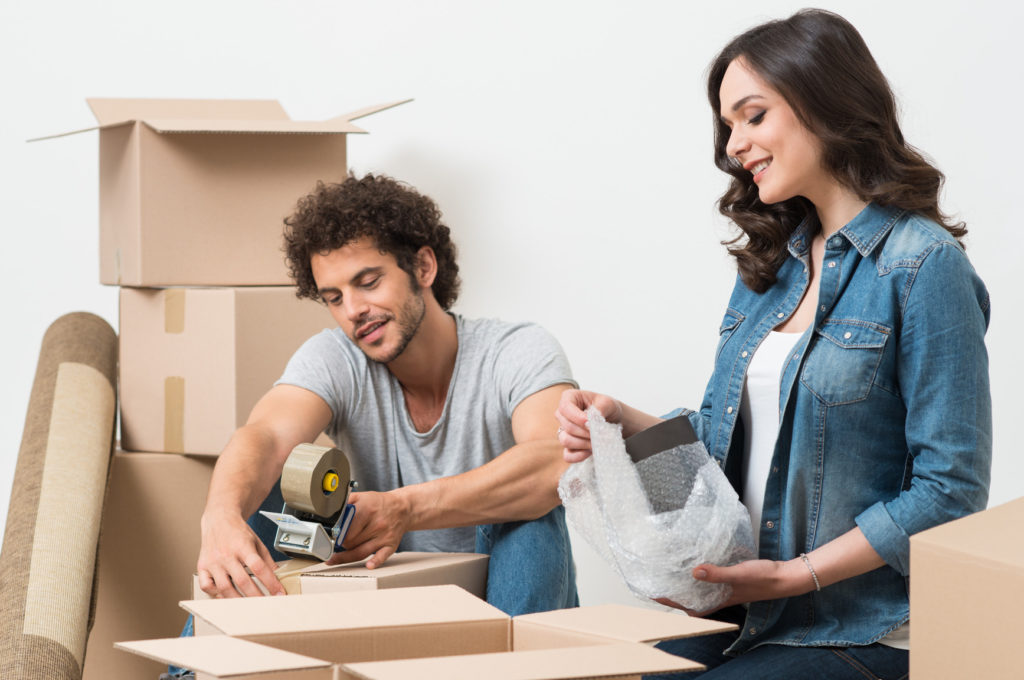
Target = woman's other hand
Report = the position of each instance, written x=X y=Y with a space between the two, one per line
x=573 y=433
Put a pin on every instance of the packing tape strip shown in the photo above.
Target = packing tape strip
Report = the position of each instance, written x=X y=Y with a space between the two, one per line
x=174 y=414
x=174 y=310
x=302 y=480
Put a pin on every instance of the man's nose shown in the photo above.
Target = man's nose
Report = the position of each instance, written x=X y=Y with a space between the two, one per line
x=356 y=307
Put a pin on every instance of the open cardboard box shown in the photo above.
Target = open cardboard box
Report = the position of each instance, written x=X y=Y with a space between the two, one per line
x=193 y=191
x=428 y=632
x=194 y=361
x=401 y=570
x=966 y=586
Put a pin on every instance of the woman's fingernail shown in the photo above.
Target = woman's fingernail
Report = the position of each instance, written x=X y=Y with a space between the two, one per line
x=700 y=573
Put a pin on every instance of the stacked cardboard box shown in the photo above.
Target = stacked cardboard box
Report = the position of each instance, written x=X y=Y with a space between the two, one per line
x=192 y=198
x=966 y=584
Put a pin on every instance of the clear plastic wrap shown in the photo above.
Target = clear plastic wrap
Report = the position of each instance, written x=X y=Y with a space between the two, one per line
x=655 y=520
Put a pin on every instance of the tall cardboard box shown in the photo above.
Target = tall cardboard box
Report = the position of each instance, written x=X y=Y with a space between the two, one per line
x=149 y=544
x=966 y=591
x=194 y=361
x=193 y=192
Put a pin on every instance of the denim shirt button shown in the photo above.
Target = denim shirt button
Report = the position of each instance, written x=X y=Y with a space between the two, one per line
x=769 y=524
x=729 y=410
x=744 y=354
x=780 y=315
x=831 y=264
x=752 y=630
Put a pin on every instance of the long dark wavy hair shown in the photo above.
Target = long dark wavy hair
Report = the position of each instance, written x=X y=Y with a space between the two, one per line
x=821 y=66
x=399 y=219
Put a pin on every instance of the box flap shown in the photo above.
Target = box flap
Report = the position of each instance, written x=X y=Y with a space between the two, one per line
x=221 y=655
x=251 y=126
x=603 y=661
x=243 y=116
x=367 y=110
x=982 y=536
x=114 y=111
x=399 y=563
x=620 y=622
x=331 y=611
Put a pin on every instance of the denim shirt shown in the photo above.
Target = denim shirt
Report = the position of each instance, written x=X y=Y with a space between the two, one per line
x=886 y=414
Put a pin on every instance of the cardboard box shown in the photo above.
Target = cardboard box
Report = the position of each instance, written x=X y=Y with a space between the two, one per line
x=149 y=543
x=194 y=361
x=966 y=586
x=193 y=192
x=429 y=632
x=402 y=570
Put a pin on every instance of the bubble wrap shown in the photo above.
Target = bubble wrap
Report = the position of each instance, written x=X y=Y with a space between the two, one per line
x=654 y=521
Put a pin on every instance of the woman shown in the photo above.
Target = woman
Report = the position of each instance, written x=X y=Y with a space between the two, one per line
x=850 y=403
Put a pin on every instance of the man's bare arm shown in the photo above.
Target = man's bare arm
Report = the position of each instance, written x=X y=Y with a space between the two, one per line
x=519 y=484
x=244 y=474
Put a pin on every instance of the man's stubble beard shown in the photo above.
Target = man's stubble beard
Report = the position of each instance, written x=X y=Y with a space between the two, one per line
x=410 y=318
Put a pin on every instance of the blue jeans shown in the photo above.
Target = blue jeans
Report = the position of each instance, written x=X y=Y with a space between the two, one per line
x=778 y=662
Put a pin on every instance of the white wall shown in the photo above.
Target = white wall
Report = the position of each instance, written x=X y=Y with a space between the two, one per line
x=568 y=144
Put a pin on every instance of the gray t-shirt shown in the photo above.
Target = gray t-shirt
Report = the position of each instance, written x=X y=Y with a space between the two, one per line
x=498 y=364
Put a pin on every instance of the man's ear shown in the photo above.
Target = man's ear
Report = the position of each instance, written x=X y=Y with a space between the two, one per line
x=426 y=266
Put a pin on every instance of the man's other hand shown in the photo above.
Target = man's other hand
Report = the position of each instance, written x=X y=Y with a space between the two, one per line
x=229 y=547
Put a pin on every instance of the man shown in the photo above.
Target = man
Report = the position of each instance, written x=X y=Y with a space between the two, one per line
x=448 y=422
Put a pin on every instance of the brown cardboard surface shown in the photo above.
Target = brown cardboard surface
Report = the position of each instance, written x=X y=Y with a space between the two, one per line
x=619 y=622
x=221 y=656
x=186 y=390
x=605 y=661
x=402 y=570
x=427 y=606
x=966 y=581
x=149 y=543
x=193 y=192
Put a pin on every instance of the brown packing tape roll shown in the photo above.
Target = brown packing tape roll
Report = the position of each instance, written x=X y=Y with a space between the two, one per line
x=303 y=475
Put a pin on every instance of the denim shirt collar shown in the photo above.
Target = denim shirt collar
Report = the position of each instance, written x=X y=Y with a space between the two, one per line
x=865 y=231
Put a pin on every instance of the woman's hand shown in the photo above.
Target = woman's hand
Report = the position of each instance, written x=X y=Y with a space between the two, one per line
x=573 y=433
x=753 y=581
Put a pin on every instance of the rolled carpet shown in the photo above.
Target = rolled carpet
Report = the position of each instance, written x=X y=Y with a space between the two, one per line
x=47 y=566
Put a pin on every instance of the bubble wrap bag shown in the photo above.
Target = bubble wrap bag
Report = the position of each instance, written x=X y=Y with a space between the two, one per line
x=655 y=520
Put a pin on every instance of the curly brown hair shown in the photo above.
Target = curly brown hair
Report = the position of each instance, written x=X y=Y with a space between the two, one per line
x=399 y=219
x=821 y=66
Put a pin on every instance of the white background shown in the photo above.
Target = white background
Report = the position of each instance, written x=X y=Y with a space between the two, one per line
x=568 y=143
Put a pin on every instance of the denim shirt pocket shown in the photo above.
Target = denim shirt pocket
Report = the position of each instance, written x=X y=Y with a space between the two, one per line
x=730 y=323
x=841 y=365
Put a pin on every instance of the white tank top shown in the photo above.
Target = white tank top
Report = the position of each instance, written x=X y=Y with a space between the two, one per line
x=759 y=409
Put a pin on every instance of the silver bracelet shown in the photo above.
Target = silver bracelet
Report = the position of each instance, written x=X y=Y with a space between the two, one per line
x=814 y=574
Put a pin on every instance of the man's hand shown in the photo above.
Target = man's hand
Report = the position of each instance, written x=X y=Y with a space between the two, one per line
x=752 y=581
x=229 y=546
x=380 y=521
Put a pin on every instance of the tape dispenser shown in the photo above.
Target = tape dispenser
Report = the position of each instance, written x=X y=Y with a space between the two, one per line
x=315 y=484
